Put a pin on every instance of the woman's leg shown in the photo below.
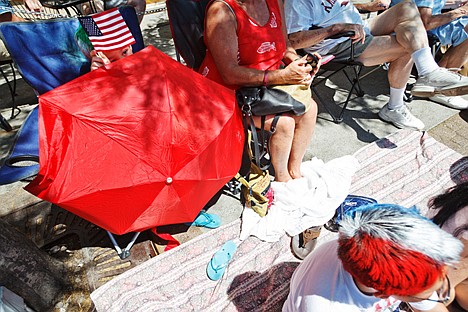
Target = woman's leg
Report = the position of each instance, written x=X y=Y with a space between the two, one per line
x=455 y=57
x=289 y=143
x=305 y=126
x=280 y=144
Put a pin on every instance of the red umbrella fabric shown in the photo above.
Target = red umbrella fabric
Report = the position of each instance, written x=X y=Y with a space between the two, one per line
x=141 y=143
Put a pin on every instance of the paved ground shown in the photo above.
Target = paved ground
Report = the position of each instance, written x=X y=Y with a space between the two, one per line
x=94 y=261
x=453 y=132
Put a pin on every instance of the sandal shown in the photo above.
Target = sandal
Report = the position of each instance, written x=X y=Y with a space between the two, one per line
x=220 y=261
x=303 y=243
x=207 y=220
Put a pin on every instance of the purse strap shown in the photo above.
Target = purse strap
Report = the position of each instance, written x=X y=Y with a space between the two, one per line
x=257 y=153
x=244 y=102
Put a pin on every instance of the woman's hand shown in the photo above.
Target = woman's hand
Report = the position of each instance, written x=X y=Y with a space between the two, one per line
x=98 y=59
x=298 y=72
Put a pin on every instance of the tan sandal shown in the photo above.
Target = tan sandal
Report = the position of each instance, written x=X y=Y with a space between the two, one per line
x=303 y=243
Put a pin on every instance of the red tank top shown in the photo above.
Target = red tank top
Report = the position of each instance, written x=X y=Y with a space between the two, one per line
x=260 y=47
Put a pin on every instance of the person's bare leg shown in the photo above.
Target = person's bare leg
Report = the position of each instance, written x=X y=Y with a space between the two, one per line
x=455 y=57
x=386 y=49
x=280 y=144
x=404 y=20
x=305 y=126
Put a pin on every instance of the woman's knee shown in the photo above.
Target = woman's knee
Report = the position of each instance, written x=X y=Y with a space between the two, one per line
x=408 y=9
x=310 y=116
x=286 y=125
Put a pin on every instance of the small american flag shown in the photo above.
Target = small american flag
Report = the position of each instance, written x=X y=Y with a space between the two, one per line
x=107 y=30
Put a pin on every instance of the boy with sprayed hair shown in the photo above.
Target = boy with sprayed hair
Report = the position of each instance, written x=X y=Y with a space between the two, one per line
x=384 y=255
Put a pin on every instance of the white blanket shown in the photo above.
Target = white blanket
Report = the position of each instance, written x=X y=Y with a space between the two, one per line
x=302 y=203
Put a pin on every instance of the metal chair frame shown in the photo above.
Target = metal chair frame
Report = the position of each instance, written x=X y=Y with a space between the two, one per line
x=334 y=67
x=11 y=86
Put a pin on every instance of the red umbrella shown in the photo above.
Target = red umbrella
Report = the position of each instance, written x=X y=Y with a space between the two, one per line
x=141 y=143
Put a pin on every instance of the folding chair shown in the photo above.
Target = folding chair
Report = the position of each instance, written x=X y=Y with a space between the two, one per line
x=45 y=66
x=350 y=68
x=435 y=45
x=187 y=21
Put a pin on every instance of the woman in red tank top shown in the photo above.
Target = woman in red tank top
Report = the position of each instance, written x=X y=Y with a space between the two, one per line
x=246 y=45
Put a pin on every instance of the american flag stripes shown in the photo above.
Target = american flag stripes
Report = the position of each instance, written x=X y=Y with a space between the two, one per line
x=107 y=30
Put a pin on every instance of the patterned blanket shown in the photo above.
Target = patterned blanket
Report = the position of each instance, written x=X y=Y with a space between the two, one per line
x=407 y=167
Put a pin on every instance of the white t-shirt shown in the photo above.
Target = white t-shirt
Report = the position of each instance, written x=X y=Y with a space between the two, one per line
x=302 y=14
x=320 y=284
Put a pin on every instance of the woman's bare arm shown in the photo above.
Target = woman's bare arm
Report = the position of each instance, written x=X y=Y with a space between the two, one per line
x=221 y=39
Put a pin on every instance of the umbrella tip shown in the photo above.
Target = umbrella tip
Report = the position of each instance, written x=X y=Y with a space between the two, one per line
x=169 y=180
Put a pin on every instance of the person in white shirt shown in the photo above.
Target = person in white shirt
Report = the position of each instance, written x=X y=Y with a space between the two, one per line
x=396 y=36
x=384 y=255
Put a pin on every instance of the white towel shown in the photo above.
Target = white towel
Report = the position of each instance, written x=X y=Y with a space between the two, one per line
x=302 y=203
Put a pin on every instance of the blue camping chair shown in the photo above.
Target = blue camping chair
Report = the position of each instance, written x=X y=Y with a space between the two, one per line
x=46 y=64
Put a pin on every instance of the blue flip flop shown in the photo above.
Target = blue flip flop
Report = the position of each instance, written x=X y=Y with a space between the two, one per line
x=351 y=201
x=220 y=261
x=207 y=220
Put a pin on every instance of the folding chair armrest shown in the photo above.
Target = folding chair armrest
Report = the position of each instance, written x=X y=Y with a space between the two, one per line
x=347 y=34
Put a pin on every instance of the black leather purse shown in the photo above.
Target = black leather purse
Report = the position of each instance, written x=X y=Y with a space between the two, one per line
x=262 y=101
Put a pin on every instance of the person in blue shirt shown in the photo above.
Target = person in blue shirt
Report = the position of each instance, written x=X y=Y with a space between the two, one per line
x=451 y=28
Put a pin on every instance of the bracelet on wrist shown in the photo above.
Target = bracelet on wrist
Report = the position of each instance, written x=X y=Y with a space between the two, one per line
x=265 y=78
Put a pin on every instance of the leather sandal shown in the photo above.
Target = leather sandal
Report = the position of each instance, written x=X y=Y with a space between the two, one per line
x=303 y=243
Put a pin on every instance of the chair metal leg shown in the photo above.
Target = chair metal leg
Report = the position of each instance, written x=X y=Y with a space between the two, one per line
x=4 y=124
x=12 y=91
x=354 y=77
x=338 y=119
x=123 y=253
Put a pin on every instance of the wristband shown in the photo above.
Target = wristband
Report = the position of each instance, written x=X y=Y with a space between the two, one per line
x=265 y=77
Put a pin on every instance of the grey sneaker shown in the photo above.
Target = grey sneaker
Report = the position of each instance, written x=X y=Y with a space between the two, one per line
x=456 y=102
x=401 y=118
x=440 y=81
x=305 y=242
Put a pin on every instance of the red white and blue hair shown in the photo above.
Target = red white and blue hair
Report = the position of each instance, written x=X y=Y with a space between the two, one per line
x=394 y=249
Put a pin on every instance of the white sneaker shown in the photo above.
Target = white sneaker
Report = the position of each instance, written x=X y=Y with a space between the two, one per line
x=440 y=81
x=456 y=102
x=401 y=117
